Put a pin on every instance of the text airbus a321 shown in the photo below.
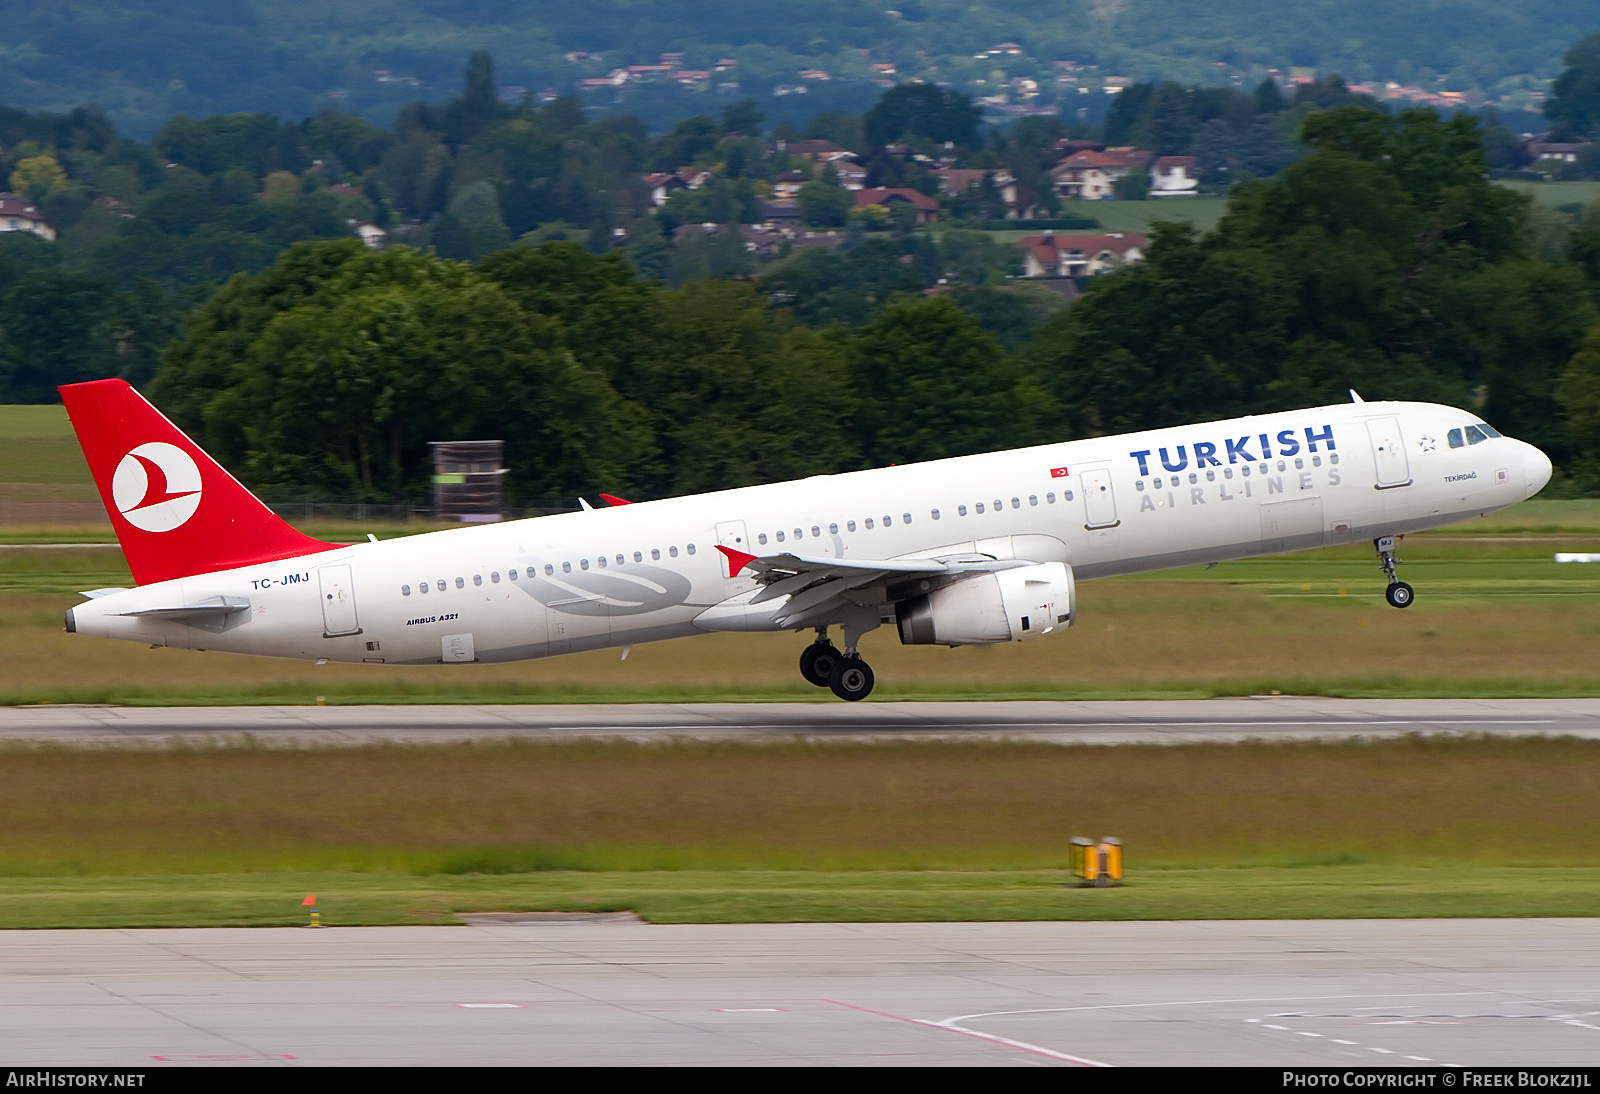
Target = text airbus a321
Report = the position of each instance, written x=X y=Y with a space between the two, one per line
x=977 y=549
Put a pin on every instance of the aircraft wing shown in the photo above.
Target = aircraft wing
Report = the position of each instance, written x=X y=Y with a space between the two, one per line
x=818 y=587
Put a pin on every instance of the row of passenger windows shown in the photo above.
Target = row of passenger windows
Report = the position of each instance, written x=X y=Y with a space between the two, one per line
x=905 y=518
x=549 y=569
x=799 y=534
x=1475 y=434
x=1227 y=472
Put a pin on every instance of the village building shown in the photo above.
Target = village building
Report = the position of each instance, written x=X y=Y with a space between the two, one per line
x=1173 y=176
x=18 y=214
x=927 y=209
x=1054 y=256
x=1092 y=176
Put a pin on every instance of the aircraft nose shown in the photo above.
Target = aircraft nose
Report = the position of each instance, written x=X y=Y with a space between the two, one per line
x=1536 y=468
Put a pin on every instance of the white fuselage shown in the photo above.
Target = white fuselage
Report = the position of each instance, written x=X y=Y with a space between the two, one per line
x=639 y=573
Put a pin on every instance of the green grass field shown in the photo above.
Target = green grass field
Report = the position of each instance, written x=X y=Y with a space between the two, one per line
x=795 y=831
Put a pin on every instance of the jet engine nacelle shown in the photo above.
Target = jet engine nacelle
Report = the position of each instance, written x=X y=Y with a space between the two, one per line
x=1005 y=606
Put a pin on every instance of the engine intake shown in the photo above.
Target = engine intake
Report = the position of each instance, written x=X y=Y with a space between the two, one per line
x=1006 y=606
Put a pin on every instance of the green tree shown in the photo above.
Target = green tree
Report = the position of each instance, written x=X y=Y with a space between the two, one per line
x=38 y=177
x=1574 y=103
x=935 y=384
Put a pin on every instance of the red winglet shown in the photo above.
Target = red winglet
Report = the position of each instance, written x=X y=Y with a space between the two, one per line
x=737 y=560
x=612 y=499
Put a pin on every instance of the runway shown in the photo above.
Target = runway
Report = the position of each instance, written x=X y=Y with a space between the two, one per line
x=1276 y=718
x=1328 y=993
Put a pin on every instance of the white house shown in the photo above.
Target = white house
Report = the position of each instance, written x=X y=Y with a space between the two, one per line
x=18 y=214
x=1173 y=176
x=1051 y=255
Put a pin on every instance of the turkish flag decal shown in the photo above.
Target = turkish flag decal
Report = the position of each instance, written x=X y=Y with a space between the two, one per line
x=1058 y=472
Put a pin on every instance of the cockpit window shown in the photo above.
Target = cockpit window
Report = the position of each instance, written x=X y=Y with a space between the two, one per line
x=1475 y=435
x=1489 y=430
x=1454 y=436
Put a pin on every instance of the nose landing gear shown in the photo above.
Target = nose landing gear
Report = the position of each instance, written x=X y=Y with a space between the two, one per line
x=1399 y=594
x=849 y=677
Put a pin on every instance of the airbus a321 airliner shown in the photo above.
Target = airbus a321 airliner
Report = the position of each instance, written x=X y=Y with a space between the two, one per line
x=977 y=549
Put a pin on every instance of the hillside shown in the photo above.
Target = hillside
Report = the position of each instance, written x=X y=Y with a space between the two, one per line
x=145 y=60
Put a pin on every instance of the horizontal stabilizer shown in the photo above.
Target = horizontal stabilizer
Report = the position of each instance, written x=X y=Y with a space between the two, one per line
x=211 y=608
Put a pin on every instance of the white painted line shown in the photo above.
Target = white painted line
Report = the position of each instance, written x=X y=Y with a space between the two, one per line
x=491 y=1006
x=1023 y=1045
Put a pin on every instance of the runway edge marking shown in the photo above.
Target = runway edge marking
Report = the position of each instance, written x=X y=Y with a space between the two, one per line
x=994 y=1038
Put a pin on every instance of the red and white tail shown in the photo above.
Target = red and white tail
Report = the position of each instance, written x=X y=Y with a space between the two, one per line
x=175 y=510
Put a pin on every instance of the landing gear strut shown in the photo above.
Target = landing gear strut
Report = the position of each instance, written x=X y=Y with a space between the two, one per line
x=849 y=677
x=1399 y=594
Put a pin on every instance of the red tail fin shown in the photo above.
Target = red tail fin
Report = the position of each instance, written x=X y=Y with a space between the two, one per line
x=175 y=510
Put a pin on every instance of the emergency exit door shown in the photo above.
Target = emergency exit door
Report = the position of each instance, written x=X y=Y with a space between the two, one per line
x=338 y=602
x=1099 y=504
x=1389 y=453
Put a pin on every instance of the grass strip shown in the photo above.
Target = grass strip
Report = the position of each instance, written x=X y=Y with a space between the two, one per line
x=692 y=896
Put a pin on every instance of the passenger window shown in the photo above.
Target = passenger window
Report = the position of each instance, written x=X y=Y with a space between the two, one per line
x=979 y=507
x=1066 y=495
x=495 y=577
x=440 y=585
x=1316 y=461
x=905 y=518
x=850 y=525
x=799 y=533
x=477 y=579
x=1051 y=497
x=961 y=510
x=422 y=587
x=638 y=556
x=583 y=564
x=549 y=570
x=566 y=567
x=1227 y=472
x=936 y=514
x=602 y=561
x=780 y=537
x=762 y=539
x=833 y=529
x=1016 y=503
x=673 y=551
x=816 y=532
x=405 y=590
x=690 y=548
x=1033 y=499
x=1245 y=471
x=887 y=520
x=1475 y=435
x=998 y=505
x=655 y=553
x=870 y=525
x=1193 y=478
x=513 y=573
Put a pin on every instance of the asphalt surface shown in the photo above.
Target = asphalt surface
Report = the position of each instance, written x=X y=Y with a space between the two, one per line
x=1331 y=993
x=1067 y=722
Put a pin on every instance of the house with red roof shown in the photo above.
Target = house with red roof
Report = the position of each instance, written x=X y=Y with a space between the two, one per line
x=927 y=209
x=18 y=214
x=1051 y=255
x=1091 y=176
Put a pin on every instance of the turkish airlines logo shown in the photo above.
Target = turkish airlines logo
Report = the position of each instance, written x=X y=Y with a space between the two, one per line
x=156 y=487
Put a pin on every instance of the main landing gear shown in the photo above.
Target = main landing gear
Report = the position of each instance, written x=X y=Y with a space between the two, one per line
x=845 y=673
x=1399 y=594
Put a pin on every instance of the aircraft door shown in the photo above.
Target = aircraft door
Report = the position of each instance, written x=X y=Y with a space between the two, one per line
x=1389 y=453
x=1099 y=503
x=338 y=601
x=731 y=534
